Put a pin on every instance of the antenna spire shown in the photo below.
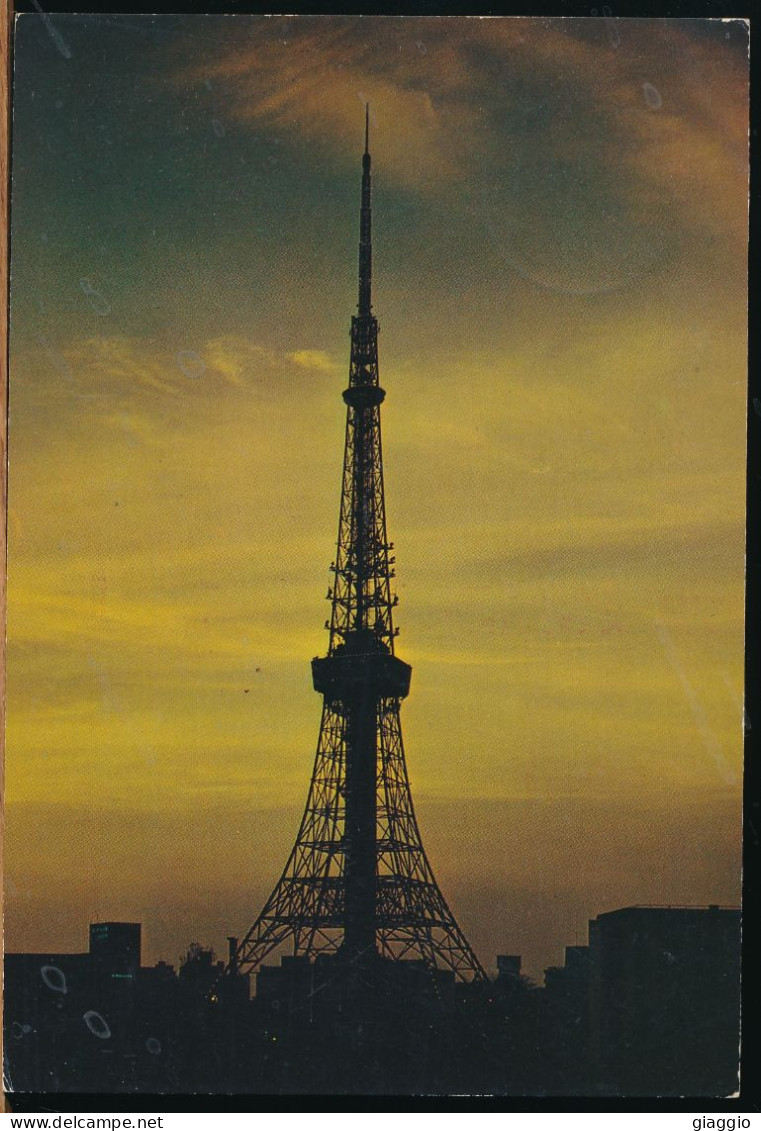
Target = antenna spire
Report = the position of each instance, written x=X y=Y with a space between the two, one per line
x=364 y=305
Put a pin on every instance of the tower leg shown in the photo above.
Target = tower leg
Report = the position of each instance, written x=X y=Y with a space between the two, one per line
x=360 y=829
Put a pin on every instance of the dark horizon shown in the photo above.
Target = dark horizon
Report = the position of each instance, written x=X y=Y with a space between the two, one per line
x=650 y=1007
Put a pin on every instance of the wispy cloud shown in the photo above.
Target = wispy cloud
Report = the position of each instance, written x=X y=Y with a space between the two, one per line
x=656 y=122
x=317 y=360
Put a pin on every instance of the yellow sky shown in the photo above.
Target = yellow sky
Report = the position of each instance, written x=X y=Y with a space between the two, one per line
x=564 y=450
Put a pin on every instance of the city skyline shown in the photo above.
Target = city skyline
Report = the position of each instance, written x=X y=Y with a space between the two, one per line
x=560 y=227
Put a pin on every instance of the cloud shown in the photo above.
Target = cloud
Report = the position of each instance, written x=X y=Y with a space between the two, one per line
x=551 y=104
x=235 y=358
x=314 y=76
x=317 y=360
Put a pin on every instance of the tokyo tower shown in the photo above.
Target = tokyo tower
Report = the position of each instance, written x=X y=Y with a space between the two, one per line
x=357 y=883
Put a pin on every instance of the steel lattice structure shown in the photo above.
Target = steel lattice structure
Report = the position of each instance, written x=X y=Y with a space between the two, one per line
x=358 y=881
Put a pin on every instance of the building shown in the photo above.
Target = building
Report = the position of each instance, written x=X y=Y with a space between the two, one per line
x=115 y=948
x=665 y=1001
x=69 y=1018
x=564 y=1024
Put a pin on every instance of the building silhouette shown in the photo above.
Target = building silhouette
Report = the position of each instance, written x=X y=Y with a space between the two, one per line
x=70 y=1018
x=564 y=1026
x=665 y=1001
x=649 y=1008
x=115 y=948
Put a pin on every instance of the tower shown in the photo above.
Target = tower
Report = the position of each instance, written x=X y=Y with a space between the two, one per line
x=357 y=882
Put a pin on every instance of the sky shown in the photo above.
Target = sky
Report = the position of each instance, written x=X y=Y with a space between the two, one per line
x=560 y=234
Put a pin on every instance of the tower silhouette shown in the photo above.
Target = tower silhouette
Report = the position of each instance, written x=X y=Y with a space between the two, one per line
x=357 y=881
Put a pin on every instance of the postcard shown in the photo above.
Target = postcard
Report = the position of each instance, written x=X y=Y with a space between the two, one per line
x=376 y=525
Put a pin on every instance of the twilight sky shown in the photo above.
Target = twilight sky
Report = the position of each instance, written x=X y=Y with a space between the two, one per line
x=560 y=212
